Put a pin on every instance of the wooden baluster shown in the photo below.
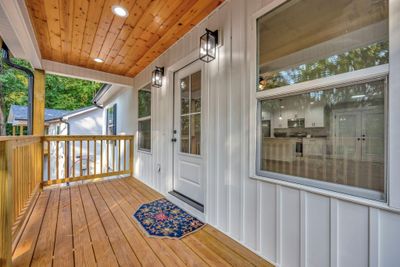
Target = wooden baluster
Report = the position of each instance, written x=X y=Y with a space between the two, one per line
x=87 y=158
x=108 y=157
x=80 y=157
x=113 y=155
x=48 y=161
x=57 y=160
x=125 y=155
x=101 y=156
x=94 y=156
x=119 y=155
x=73 y=158
x=65 y=161
x=131 y=142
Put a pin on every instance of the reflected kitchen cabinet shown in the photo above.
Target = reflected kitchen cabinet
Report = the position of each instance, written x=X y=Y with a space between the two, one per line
x=315 y=115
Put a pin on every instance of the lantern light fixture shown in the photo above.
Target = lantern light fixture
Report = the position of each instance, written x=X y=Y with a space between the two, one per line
x=156 y=76
x=208 y=45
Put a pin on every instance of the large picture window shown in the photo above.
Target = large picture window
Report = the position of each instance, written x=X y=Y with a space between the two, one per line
x=326 y=134
x=144 y=120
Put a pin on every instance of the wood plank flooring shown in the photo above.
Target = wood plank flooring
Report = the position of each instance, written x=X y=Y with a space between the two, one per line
x=91 y=225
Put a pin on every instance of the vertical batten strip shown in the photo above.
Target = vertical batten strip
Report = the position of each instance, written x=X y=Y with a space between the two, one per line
x=374 y=237
x=334 y=232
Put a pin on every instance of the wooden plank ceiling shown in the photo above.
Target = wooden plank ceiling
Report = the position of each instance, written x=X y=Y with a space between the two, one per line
x=78 y=31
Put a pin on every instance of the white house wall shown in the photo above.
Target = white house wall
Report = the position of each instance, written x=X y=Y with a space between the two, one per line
x=287 y=224
x=88 y=123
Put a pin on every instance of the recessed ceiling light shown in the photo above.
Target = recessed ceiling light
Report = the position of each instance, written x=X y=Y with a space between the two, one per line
x=119 y=11
x=98 y=60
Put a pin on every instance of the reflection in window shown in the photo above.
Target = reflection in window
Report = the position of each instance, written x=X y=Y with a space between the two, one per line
x=341 y=139
x=190 y=138
x=306 y=40
x=144 y=120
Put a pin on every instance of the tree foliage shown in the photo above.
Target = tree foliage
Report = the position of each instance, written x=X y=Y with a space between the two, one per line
x=61 y=92
x=355 y=59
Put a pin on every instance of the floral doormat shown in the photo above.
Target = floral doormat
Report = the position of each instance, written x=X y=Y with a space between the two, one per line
x=163 y=219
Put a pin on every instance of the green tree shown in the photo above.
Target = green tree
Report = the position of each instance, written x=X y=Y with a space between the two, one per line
x=61 y=92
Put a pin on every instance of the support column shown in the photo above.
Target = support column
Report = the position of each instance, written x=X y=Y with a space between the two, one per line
x=38 y=103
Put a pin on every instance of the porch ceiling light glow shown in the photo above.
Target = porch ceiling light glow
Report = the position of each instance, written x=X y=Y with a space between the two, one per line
x=98 y=60
x=208 y=45
x=119 y=11
x=156 y=77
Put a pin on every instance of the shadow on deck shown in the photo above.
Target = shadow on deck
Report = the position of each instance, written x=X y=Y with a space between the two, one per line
x=91 y=224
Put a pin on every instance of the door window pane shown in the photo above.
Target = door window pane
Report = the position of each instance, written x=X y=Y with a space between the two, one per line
x=195 y=134
x=185 y=134
x=191 y=114
x=306 y=40
x=341 y=138
x=185 y=95
x=195 y=92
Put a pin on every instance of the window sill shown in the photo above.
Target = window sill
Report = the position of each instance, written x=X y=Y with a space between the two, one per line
x=328 y=193
x=144 y=151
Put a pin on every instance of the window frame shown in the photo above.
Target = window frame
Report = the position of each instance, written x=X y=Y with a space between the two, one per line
x=367 y=74
x=145 y=88
x=114 y=119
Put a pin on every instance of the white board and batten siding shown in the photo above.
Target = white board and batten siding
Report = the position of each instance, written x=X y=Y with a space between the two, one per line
x=289 y=225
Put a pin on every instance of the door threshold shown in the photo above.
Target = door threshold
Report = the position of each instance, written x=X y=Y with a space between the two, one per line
x=187 y=200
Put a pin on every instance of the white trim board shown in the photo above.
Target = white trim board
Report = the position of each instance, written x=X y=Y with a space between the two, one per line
x=67 y=70
x=17 y=31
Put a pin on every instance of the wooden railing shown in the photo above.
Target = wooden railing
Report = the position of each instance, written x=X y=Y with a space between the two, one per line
x=20 y=179
x=75 y=158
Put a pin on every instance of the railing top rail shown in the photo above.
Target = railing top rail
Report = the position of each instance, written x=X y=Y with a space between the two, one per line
x=86 y=137
x=19 y=138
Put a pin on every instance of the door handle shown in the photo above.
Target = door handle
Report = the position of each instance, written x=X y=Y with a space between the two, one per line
x=173 y=139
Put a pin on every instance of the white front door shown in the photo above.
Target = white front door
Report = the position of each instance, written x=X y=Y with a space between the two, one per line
x=189 y=174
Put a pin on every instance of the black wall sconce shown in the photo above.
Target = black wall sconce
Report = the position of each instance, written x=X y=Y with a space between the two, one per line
x=208 y=45
x=156 y=76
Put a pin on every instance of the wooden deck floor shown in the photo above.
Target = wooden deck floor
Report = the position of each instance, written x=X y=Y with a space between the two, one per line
x=92 y=224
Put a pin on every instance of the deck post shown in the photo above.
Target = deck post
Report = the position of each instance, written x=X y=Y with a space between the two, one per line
x=38 y=116
x=6 y=209
x=38 y=103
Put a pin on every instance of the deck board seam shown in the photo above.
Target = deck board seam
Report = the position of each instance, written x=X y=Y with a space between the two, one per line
x=119 y=226
x=133 y=189
x=55 y=228
x=141 y=233
x=101 y=221
x=72 y=226
x=40 y=227
x=87 y=223
x=132 y=183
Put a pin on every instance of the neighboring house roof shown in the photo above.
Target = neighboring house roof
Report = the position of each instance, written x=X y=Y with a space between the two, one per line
x=20 y=113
